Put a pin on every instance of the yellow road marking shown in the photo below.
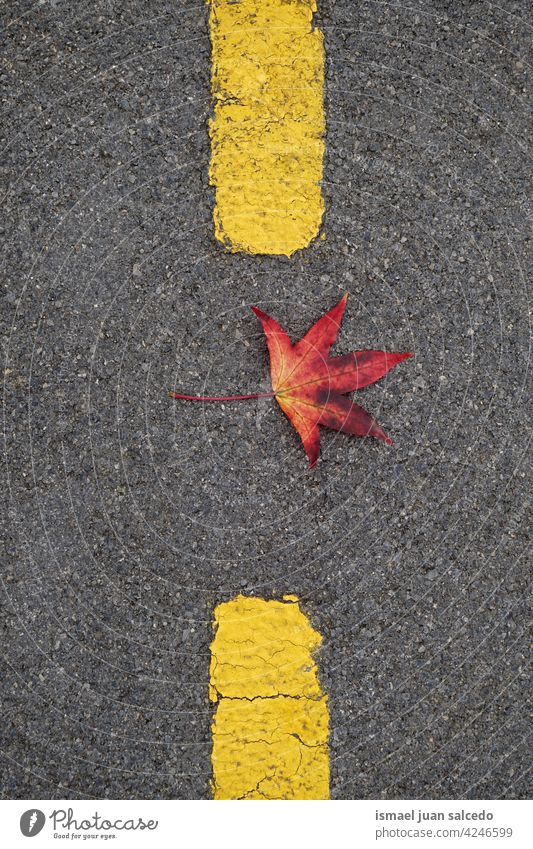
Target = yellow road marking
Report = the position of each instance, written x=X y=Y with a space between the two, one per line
x=271 y=722
x=267 y=133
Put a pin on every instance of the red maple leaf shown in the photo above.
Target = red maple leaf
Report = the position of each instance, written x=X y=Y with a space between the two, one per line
x=311 y=387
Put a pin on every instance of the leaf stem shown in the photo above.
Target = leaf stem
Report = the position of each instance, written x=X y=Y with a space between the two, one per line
x=181 y=397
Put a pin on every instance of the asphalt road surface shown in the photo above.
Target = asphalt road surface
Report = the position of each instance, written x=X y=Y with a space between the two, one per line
x=128 y=516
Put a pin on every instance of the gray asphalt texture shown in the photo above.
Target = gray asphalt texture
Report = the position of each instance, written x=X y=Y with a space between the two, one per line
x=127 y=516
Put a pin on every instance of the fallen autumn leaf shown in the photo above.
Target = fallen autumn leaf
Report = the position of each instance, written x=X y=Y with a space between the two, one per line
x=311 y=387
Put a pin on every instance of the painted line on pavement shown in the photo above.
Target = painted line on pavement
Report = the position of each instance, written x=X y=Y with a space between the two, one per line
x=271 y=722
x=267 y=131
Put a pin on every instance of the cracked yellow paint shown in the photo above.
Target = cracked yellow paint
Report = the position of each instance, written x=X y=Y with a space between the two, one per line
x=267 y=132
x=271 y=722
